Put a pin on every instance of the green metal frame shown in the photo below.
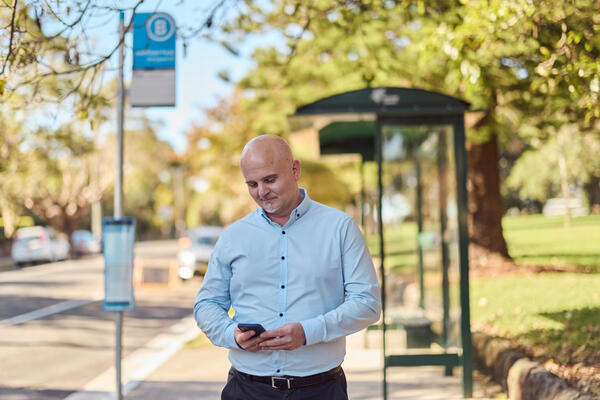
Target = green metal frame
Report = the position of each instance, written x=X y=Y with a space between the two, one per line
x=401 y=106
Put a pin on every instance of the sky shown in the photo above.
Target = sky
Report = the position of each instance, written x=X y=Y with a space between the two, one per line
x=197 y=84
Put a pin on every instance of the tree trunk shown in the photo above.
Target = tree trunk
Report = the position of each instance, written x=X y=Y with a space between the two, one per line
x=593 y=190
x=485 y=203
x=564 y=187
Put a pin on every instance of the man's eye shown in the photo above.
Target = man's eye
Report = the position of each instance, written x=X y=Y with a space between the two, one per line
x=270 y=180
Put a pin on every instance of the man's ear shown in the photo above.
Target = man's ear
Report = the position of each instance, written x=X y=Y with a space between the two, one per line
x=296 y=169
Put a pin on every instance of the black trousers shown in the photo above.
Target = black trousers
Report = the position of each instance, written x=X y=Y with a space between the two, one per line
x=240 y=387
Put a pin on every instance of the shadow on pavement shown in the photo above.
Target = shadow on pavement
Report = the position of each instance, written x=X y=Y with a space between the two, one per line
x=28 y=394
x=177 y=390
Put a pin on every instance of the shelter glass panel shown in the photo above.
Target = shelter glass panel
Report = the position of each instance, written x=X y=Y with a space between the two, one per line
x=420 y=224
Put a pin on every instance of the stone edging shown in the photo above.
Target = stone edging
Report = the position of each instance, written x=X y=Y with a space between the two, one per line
x=521 y=377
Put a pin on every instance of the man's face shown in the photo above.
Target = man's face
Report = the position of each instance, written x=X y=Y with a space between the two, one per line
x=272 y=183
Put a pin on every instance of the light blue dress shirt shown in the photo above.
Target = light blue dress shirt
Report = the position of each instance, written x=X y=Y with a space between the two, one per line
x=315 y=270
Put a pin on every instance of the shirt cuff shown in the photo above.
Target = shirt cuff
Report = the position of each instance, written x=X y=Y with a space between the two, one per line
x=232 y=344
x=314 y=330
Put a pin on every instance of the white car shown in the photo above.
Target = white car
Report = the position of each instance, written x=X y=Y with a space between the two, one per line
x=195 y=249
x=38 y=243
x=84 y=242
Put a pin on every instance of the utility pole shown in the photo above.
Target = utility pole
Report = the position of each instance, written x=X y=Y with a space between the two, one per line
x=118 y=199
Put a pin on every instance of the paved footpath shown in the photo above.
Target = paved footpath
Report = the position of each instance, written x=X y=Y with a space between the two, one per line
x=167 y=370
x=199 y=374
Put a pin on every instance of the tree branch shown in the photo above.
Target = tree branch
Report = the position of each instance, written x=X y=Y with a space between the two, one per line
x=12 y=34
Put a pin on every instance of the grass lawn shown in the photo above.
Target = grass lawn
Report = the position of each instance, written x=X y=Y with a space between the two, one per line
x=540 y=240
x=555 y=315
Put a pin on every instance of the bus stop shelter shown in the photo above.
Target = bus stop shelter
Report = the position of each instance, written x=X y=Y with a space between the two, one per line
x=417 y=139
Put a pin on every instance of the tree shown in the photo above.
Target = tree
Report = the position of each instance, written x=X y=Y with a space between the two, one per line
x=44 y=40
x=61 y=177
x=518 y=61
x=555 y=168
x=148 y=177
x=50 y=68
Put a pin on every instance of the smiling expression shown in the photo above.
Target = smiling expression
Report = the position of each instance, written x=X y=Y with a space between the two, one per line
x=271 y=175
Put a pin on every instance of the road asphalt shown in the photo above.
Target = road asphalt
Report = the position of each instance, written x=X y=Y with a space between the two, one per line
x=167 y=369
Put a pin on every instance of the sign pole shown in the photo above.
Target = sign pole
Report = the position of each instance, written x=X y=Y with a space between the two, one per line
x=118 y=199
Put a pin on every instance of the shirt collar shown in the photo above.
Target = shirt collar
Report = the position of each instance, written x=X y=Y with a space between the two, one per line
x=303 y=207
x=297 y=212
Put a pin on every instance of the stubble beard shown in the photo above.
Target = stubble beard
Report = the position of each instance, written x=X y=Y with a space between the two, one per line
x=269 y=207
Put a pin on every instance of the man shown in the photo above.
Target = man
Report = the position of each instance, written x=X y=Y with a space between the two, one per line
x=299 y=268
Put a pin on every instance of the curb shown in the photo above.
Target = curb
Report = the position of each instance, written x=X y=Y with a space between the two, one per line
x=521 y=377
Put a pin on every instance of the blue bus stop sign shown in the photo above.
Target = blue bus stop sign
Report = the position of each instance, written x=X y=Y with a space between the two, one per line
x=118 y=241
x=153 y=41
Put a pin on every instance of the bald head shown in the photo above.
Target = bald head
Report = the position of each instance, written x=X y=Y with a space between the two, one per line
x=270 y=149
x=271 y=174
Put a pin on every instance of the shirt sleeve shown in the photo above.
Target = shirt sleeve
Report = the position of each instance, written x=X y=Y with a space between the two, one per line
x=362 y=297
x=213 y=301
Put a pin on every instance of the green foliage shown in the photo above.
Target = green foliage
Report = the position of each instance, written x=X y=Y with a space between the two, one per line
x=147 y=161
x=535 y=173
x=533 y=67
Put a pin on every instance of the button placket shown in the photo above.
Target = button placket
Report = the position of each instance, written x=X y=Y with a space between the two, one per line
x=283 y=274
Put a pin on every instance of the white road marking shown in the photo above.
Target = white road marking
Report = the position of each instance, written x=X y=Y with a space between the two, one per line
x=46 y=311
x=141 y=363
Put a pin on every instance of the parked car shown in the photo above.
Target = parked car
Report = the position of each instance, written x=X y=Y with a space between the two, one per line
x=37 y=244
x=84 y=242
x=195 y=249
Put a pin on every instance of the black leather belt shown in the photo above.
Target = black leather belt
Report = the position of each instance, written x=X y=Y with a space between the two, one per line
x=294 y=382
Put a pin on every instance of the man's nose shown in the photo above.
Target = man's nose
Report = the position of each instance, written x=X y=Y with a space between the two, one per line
x=262 y=190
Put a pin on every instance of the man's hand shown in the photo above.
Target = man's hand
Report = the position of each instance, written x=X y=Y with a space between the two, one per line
x=246 y=340
x=286 y=337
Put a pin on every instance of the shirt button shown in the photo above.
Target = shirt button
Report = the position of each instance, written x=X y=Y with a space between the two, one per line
x=281 y=314
x=283 y=232
x=283 y=286
x=278 y=370
x=282 y=257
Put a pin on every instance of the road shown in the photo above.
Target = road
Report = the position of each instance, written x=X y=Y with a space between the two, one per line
x=54 y=336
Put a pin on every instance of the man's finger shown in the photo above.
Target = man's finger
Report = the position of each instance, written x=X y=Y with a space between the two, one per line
x=275 y=342
x=273 y=333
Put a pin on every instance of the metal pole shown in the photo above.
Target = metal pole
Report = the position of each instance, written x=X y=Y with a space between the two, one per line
x=379 y=151
x=443 y=204
x=419 y=209
x=460 y=157
x=362 y=195
x=118 y=199
x=179 y=191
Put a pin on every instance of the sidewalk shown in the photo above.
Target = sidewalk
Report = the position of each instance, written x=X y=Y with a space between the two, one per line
x=199 y=374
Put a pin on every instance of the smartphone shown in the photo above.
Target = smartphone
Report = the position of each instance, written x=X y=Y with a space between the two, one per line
x=257 y=328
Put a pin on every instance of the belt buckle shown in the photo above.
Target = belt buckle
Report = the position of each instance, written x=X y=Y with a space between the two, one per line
x=276 y=378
